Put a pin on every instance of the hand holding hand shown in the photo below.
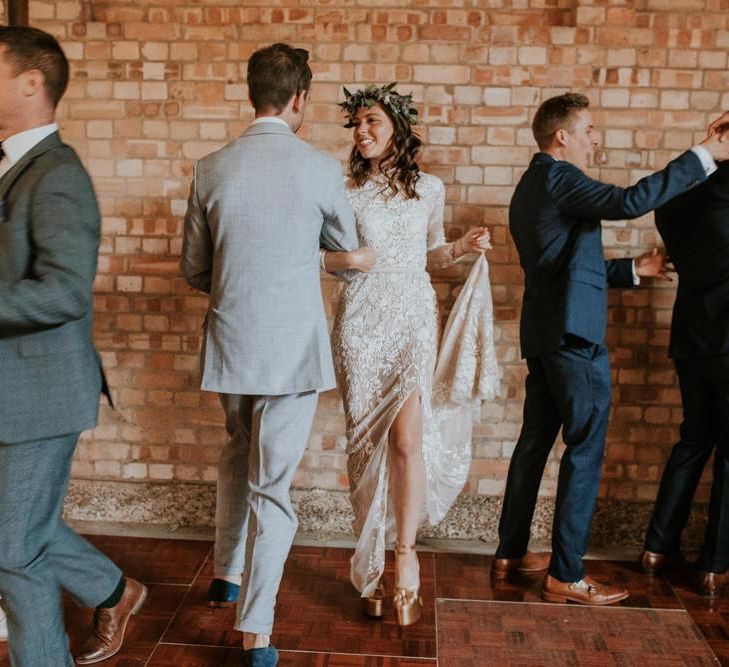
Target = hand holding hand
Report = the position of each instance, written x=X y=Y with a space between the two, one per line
x=717 y=138
x=363 y=259
x=653 y=264
x=477 y=239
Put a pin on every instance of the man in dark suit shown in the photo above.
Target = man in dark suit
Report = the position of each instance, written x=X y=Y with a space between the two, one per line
x=50 y=372
x=554 y=219
x=695 y=229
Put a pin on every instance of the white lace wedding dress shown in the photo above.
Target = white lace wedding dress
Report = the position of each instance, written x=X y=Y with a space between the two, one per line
x=385 y=343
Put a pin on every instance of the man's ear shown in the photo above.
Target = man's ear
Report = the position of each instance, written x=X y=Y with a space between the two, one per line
x=560 y=136
x=32 y=83
x=299 y=101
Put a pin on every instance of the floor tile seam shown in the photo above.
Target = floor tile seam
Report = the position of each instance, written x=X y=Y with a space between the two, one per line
x=435 y=609
x=561 y=604
x=174 y=614
x=306 y=651
x=693 y=621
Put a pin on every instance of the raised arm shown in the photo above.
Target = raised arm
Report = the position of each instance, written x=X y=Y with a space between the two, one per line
x=580 y=196
x=442 y=254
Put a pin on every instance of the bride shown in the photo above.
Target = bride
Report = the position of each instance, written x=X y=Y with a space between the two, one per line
x=402 y=470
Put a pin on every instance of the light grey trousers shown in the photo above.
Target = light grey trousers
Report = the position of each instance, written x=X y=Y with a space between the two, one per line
x=254 y=519
x=40 y=554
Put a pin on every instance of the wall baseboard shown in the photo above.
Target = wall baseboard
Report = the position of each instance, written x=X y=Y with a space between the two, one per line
x=617 y=524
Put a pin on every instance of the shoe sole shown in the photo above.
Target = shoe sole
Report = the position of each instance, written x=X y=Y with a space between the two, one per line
x=503 y=575
x=138 y=605
x=563 y=599
x=217 y=604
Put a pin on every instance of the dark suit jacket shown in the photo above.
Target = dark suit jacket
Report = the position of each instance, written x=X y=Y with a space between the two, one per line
x=50 y=373
x=554 y=218
x=695 y=229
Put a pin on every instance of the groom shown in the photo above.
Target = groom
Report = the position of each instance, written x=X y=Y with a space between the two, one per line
x=554 y=218
x=258 y=212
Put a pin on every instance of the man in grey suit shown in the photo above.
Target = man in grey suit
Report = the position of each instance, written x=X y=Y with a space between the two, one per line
x=50 y=372
x=259 y=209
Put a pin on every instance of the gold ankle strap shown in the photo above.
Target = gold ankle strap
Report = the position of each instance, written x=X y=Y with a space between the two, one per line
x=401 y=548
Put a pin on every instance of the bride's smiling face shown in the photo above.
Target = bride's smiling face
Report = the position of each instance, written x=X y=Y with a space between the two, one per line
x=372 y=132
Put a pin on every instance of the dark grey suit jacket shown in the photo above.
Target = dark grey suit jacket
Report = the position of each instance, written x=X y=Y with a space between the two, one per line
x=50 y=373
x=695 y=229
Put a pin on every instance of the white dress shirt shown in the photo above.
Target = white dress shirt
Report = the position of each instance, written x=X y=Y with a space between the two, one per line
x=19 y=144
x=270 y=119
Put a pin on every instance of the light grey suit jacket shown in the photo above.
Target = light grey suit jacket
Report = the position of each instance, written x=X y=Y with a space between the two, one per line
x=50 y=373
x=259 y=209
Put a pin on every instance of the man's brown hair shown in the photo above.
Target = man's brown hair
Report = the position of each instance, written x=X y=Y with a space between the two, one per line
x=556 y=113
x=29 y=48
x=277 y=73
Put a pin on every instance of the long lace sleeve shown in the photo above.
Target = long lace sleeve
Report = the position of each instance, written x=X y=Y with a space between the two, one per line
x=440 y=253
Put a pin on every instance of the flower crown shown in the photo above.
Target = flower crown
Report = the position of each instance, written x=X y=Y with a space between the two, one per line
x=387 y=96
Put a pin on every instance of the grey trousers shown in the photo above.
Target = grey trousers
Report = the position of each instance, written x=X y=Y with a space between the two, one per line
x=255 y=521
x=40 y=554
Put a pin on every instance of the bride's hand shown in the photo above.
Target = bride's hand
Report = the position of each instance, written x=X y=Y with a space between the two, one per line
x=477 y=239
x=362 y=259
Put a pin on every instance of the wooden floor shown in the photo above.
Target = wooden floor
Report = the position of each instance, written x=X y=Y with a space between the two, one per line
x=467 y=622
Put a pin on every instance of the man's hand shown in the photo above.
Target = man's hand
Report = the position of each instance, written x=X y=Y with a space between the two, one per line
x=653 y=264
x=720 y=125
x=717 y=138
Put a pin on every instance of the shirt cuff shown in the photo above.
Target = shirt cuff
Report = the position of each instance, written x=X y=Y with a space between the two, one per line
x=636 y=277
x=707 y=160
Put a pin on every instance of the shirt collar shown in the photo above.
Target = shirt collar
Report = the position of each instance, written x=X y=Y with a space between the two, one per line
x=269 y=119
x=19 y=144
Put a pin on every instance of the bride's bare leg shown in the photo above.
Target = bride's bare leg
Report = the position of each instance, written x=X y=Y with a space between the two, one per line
x=407 y=485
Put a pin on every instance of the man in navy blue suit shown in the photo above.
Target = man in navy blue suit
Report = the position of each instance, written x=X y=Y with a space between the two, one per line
x=554 y=218
x=700 y=350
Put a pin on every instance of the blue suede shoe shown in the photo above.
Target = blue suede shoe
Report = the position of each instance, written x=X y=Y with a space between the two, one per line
x=222 y=593
x=261 y=657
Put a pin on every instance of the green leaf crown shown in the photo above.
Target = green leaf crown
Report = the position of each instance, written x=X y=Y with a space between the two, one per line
x=387 y=96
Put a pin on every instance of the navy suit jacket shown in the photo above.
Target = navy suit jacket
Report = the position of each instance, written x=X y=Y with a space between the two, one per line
x=554 y=218
x=695 y=229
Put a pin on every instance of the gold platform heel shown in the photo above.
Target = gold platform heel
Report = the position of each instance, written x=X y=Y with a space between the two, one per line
x=407 y=601
x=374 y=605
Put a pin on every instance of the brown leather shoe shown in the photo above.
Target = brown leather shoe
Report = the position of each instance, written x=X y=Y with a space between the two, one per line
x=110 y=624
x=652 y=563
x=529 y=563
x=711 y=583
x=587 y=591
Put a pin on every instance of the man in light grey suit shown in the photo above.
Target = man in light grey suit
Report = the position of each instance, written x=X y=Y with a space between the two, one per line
x=50 y=373
x=258 y=212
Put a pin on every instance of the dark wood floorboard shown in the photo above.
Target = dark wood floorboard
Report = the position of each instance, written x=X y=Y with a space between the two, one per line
x=479 y=622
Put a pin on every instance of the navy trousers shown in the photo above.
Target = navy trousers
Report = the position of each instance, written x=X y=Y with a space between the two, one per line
x=704 y=387
x=568 y=389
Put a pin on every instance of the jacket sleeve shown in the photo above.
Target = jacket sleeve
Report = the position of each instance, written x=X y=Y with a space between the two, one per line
x=580 y=196
x=619 y=272
x=338 y=231
x=197 y=245
x=64 y=228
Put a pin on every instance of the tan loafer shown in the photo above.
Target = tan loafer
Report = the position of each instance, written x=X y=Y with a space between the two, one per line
x=586 y=591
x=529 y=563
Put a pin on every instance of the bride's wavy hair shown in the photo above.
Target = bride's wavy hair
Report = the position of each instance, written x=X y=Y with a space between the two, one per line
x=399 y=165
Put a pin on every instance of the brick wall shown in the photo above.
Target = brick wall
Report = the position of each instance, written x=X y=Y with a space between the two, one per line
x=159 y=83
